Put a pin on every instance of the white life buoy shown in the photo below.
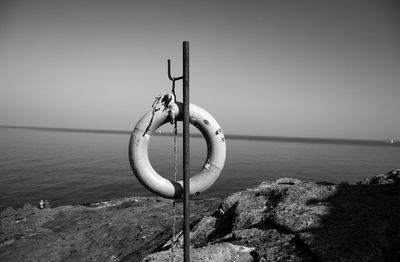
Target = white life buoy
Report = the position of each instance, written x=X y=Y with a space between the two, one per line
x=139 y=159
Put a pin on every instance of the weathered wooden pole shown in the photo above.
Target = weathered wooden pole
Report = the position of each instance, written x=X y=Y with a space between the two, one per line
x=186 y=156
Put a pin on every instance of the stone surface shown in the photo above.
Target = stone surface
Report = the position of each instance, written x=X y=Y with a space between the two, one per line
x=391 y=177
x=283 y=220
x=119 y=230
x=222 y=252
x=290 y=220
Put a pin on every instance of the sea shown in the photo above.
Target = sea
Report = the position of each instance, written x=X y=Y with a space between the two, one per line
x=75 y=167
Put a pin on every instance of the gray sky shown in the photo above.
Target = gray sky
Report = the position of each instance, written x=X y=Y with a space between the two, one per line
x=276 y=68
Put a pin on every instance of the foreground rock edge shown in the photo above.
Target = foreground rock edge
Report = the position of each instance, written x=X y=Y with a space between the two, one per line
x=118 y=230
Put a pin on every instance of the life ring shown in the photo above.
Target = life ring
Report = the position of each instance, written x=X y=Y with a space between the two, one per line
x=148 y=177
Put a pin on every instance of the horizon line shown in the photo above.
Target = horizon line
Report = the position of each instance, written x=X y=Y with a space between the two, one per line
x=344 y=141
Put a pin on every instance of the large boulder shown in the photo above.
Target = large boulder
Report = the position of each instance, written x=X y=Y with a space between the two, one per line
x=290 y=220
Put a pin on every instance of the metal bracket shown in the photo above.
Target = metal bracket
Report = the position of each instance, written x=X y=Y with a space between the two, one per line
x=169 y=72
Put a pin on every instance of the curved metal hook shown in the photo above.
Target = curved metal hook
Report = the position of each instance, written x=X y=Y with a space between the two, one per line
x=169 y=72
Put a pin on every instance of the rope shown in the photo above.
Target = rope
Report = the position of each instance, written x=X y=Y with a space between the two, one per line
x=165 y=102
x=156 y=107
x=173 y=87
x=175 y=173
x=151 y=121
x=174 y=202
x=168 y=103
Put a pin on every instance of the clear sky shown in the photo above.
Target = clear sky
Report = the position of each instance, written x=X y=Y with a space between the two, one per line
x=327 y=69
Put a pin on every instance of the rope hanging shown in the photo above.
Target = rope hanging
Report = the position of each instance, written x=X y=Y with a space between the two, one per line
x=167 y=102
x=175 y=173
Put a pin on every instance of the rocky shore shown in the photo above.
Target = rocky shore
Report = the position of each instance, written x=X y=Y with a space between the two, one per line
x=282 y=220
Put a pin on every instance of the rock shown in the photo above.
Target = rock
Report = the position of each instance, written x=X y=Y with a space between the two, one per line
x=296 y=208
x=8 y=212
x=282 y=220
x=120 y=230
x=271 y=245
x=365 y=181
x=222 y=252
x=378 y=179
x=362 y=225
x=198 y=236
x=307 y=222
x=266 y=218
x=288 y=181
x=394 y=174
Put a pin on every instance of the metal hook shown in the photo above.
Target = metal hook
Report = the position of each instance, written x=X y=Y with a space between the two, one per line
x=169 y=72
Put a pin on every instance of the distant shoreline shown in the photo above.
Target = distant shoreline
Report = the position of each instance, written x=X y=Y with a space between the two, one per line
x=337 y=141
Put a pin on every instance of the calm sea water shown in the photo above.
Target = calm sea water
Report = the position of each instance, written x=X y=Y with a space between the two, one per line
x=78 y=168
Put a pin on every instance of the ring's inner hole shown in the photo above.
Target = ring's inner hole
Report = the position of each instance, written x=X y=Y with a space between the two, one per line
x=161 y=151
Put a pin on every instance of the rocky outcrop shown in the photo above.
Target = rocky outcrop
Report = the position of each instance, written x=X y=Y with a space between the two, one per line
x=290 y=220
x=119 y=230
x=391 y=177
x=282 y=220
